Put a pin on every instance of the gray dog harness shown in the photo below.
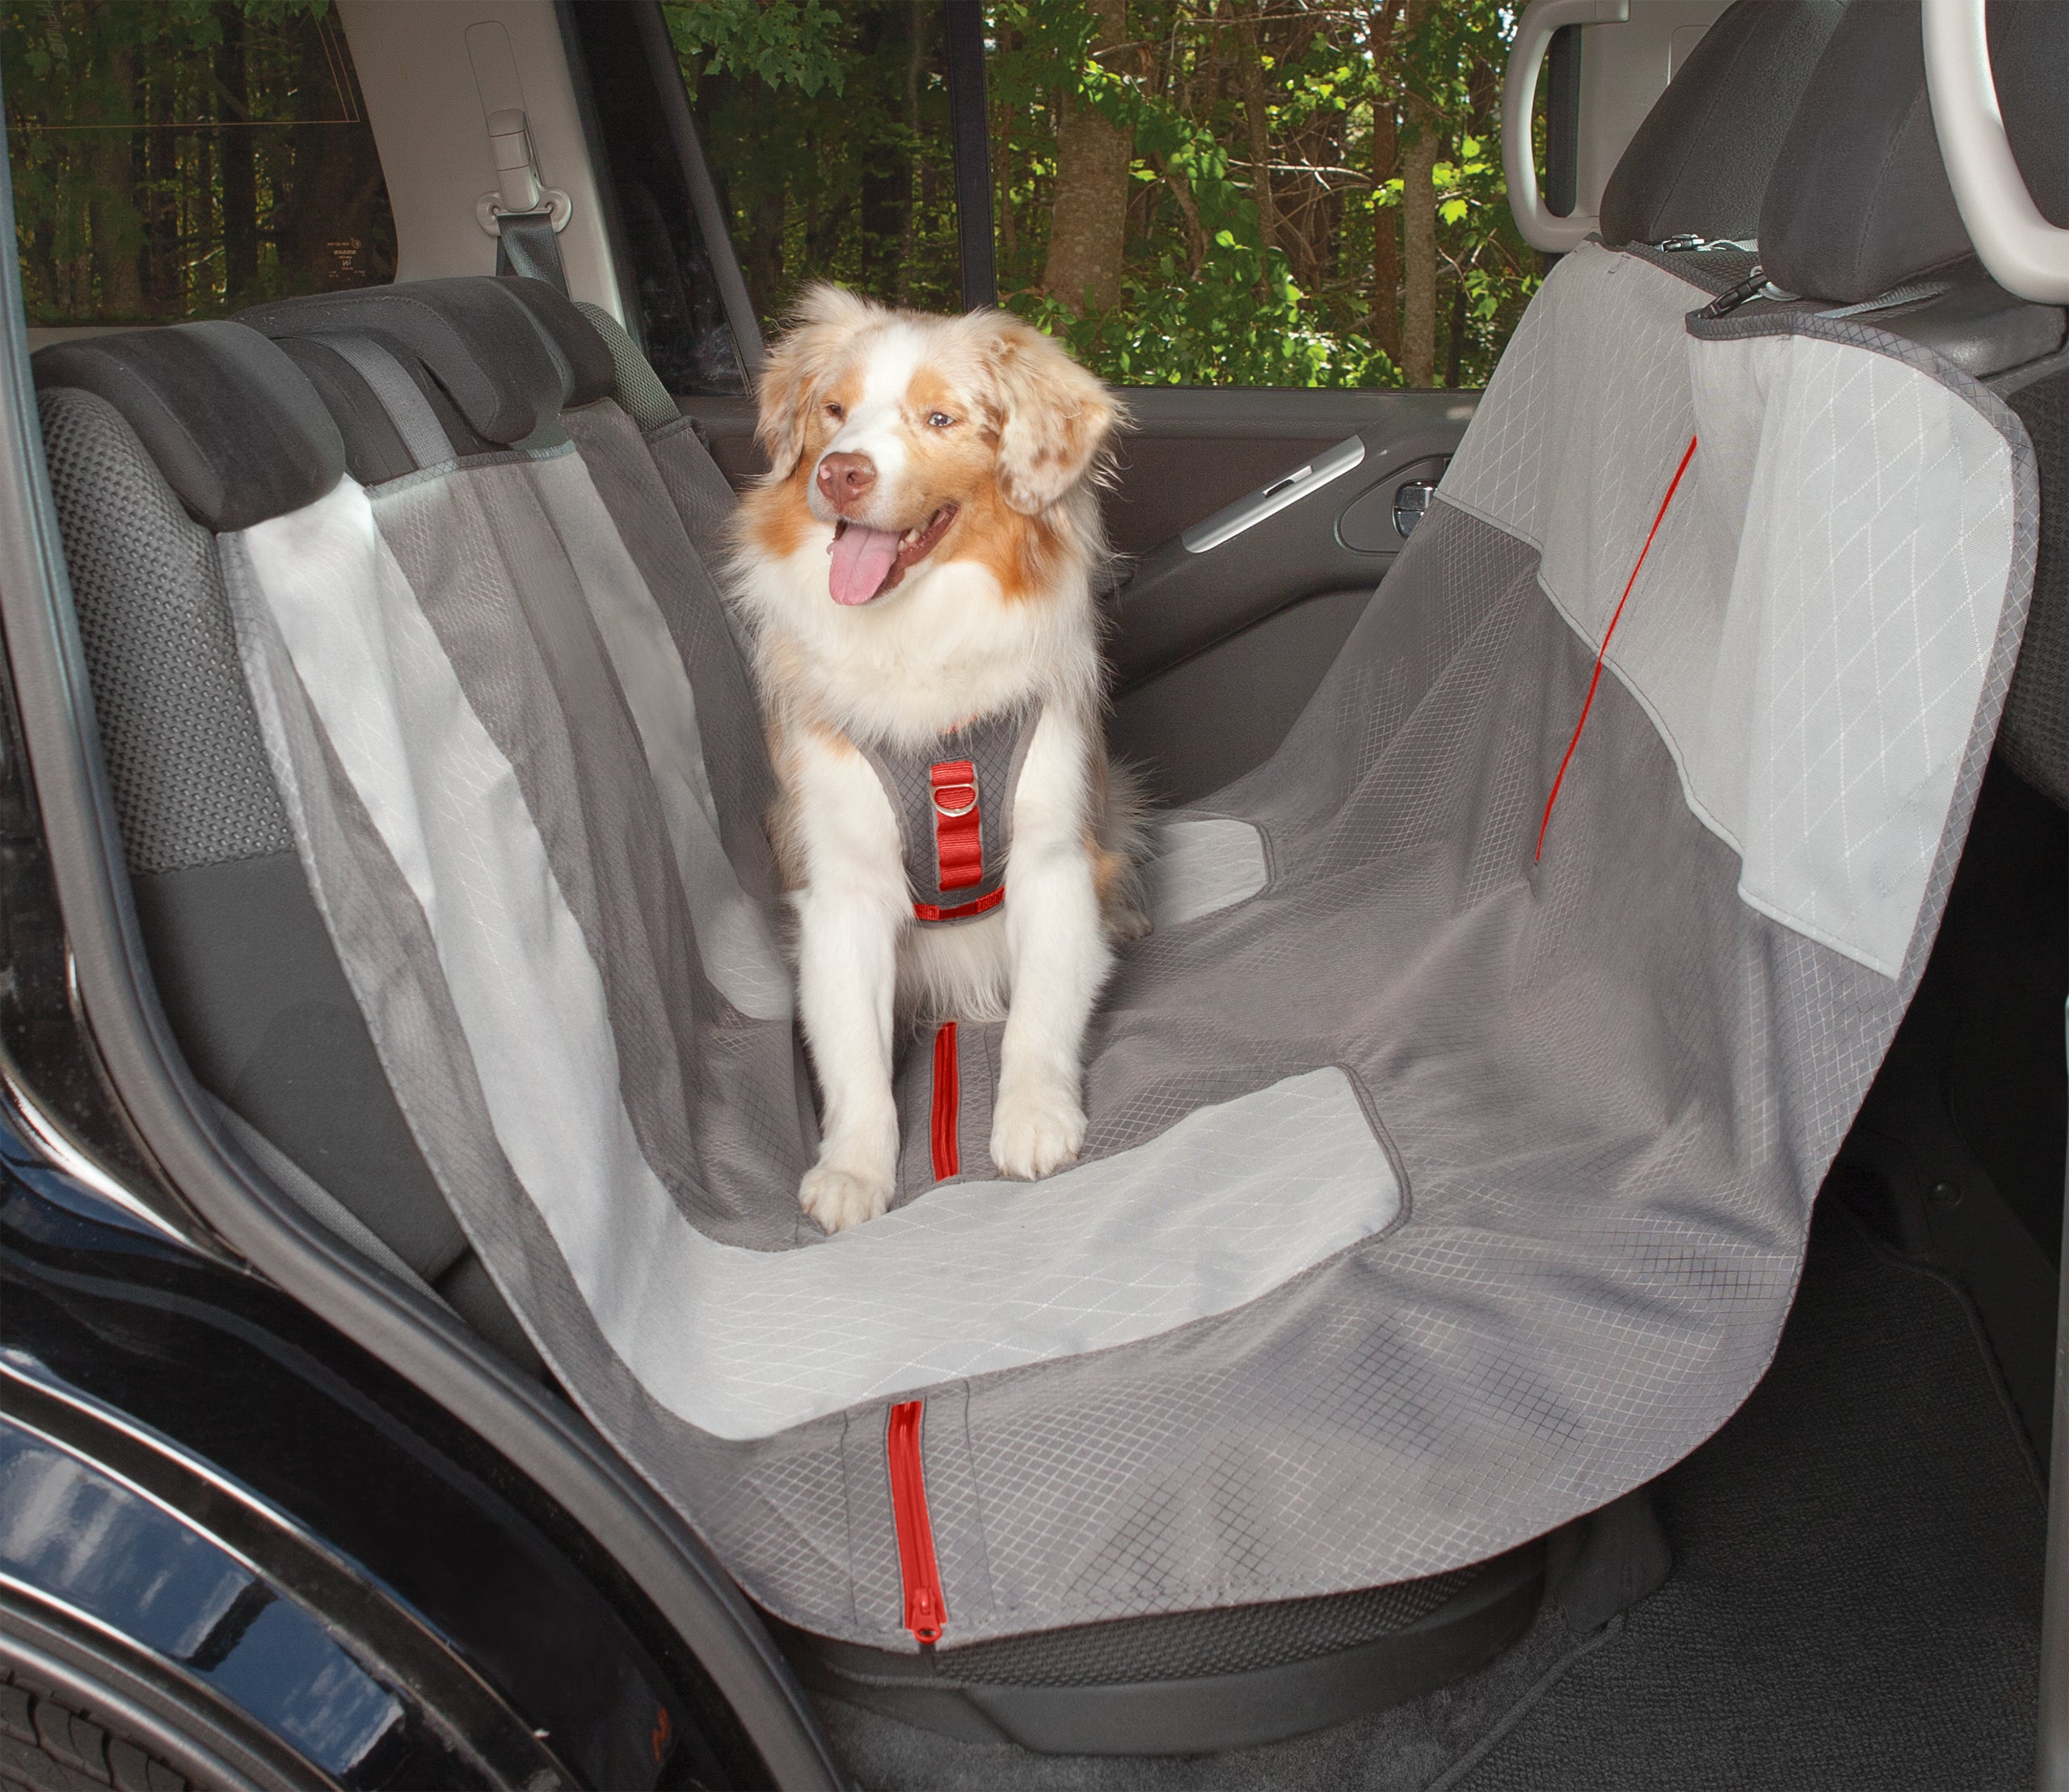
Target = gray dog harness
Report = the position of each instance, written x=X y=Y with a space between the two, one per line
x=953 y=797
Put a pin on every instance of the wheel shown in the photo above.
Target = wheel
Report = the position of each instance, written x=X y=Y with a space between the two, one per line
x=47 y=1746
x=80 y=1712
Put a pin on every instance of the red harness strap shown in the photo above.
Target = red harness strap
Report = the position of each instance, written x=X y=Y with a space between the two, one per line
x=959 y=840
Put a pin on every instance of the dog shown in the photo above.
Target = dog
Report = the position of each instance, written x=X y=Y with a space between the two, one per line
x=915 y=577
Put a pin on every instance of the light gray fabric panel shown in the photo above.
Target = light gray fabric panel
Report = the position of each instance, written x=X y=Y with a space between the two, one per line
x=679 y=574
x=1813 y=622
x=1202 y=866
x=735 y=935
x=707 y=1089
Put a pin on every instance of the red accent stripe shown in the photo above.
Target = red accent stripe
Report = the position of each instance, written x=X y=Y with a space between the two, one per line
x=948 y=1105
x=926 y=911
x=925 y=1612
x=959 y=839
x=1673 y=485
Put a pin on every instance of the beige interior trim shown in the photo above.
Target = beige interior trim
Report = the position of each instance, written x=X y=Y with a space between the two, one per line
x=432 y=128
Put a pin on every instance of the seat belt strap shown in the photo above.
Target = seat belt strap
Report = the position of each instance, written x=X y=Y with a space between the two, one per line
x=397 y=393
x=525 y=244
x=523 y=208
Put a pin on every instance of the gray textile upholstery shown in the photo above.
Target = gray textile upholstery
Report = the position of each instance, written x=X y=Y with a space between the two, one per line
x=639 y=389
x=1858 y=202
x=477 y=338
x=588 y=368
x=237 y=432
x=1699 y=162
x=2035 y=737
x=1435 y=1191
x=247 y=973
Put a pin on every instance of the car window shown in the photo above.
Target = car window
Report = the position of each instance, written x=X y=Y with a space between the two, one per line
x=1194 y=192
x=179 y=158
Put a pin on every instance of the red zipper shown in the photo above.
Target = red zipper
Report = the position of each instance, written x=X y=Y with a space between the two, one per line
x=948 y=1105
x=925 y=1611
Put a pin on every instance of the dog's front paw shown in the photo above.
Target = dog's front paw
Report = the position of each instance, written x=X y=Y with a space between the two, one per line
x=839 y=1197
x=1035 y=1130
x=1126 y=920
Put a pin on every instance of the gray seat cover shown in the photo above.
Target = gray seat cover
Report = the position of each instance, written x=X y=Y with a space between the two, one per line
x=1452 y=1138
x=1435 y=1190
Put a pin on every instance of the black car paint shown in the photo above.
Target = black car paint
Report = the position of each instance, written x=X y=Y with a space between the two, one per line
x=225 y=1438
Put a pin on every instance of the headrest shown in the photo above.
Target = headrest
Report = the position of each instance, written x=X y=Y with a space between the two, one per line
x=238 y=434
x=1700 y=161
x=586 y=371
x=1858 y=202
x=479 y=343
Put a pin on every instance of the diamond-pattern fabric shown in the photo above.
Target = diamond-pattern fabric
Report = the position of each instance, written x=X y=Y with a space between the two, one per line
x=1811 y=628
x=1435 y=1190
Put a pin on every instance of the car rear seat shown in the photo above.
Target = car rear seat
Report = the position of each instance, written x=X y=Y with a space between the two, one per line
x=511 y=384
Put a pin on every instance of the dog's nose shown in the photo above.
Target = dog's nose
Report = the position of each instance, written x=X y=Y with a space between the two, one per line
x=846 y=477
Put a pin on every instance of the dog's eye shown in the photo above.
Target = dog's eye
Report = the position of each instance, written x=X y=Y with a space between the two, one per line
x=835 y=412
x=940 y=419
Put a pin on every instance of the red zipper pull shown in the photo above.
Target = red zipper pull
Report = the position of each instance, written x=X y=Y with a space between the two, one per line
x=925 y=1611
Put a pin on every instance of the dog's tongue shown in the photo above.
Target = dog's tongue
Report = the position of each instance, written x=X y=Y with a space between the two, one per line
x=862 y=560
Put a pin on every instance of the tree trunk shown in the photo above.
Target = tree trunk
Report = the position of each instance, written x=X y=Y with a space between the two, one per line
x=1386 y=159
x=1002 y=170
x=763 y=263
x=1088 y=228
x=885 y=190
x=1418 y=227
x=112 y=213
x=240 y=188
x=908 y=233
x=1256 y=118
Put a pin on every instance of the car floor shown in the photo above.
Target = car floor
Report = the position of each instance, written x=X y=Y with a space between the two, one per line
x=1856 y=1599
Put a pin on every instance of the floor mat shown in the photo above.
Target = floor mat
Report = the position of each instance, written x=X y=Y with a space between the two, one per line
x=1856 y=1601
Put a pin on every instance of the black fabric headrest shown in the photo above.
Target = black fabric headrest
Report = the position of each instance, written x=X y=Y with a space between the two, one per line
x=586 y=371
x=478 y=342
x=1699 y=162
x=1858 y=202
x=238 y=434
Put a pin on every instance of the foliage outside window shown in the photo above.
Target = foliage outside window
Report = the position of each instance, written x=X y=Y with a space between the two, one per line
x=183 y=158
x=1217 y=192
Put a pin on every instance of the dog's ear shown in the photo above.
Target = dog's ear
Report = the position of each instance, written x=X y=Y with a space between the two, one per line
x=824 y=314
x=1055 y=419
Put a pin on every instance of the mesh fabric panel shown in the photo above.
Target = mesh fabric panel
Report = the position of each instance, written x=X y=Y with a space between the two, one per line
x=189 y=774
x=639 y=387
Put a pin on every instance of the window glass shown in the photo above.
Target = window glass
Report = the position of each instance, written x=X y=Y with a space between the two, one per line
x=1277 y=192
x=183 y=158
x=827 y=130
x=678 y=316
